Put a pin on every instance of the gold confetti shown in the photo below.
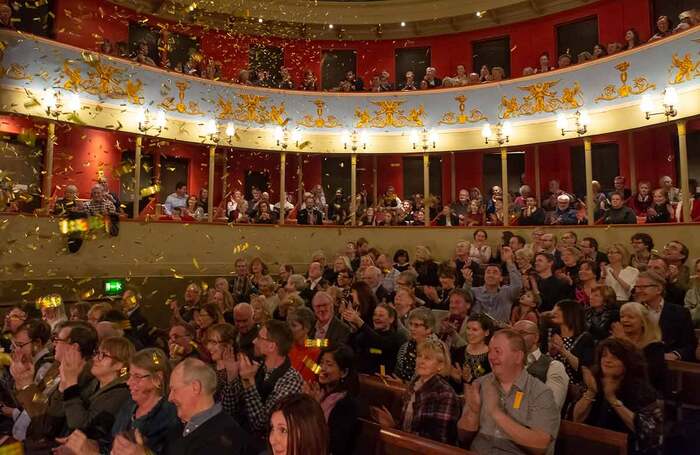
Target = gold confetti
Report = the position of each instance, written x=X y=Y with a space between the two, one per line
x=150 y=190
x=196 y=264
x=49 y=301
x=317 y=343
x=31 y=286
x=311 y=365
x=87 y=294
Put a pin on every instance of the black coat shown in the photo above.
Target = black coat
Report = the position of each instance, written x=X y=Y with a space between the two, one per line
x=220 y=435
x=374 y=349
x=303 y=216
x=677 y=331
x=338 y=332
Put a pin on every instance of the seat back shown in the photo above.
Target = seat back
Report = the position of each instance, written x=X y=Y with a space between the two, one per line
x=368 y=441
x=581 y=439
x=380 y=393
x=683 y=383
x=395 y=442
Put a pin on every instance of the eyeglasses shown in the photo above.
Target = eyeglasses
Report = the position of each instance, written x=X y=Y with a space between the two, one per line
x=139 y=377
x=100 y=355
x=55 y=339
x=16 y=345
x=644 y=286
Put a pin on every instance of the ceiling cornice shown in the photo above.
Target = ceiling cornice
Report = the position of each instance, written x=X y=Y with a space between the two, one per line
x=351 y=20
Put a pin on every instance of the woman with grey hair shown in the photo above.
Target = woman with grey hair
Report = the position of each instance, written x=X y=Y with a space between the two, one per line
x=421 y=326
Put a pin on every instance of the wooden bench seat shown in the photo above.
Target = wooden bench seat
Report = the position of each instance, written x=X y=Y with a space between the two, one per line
x=378 y=393
x=581 y=439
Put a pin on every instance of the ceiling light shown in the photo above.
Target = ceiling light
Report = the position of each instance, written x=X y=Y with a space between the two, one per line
x=480 y=14
x=260 y=20
x=403 y=24
x=330 y=26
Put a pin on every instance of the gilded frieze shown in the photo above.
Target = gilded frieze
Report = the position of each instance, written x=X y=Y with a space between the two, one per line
x=389 y=114
x=320 y=121
x=686 y=69
x=541 y=98
x=451 y=118
x=612 y=91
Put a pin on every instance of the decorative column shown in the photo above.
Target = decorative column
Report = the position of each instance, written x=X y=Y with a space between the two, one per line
x=538 y=181
x=353 y=189
x=504 y=185
x=48 y=165
x=283 y=190
x=633 y=161
x=426 y=188
x=453 y=177
x=212 y=168
x=683 y=162
x=590 y=204
x=137 y=176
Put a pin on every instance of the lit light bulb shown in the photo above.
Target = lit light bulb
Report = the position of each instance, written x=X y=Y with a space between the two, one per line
x=279 y=133
x=50 y=100
x=414 y=137
x=211 y=127
x=507 y=128
x=561 y=121
x=230 y=129
x=260 y=20
x=646 y=105
x=141 y=116
x=670 y=97
x=330 y=26
x=72 y=102
x=486 y=131
x=345 y=137
x=584 y=118
x=160 y=119
x=433 y=136
x=296 y=136
x=364 y=138
x=403 y=24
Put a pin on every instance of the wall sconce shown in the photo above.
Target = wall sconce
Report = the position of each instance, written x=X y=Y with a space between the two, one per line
x=427 y=139
x=670 y=102
x=503 y=132
x=147 y=122
x=581 y=122
x=211 y=129
x=355 y=140
x=282 y=136
x=57 y=103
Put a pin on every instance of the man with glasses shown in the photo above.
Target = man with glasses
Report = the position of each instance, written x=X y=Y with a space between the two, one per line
x=542 y=366
x=246 y=328
x=328 y=326
x=74 y=341
x=674 y=320
x=264 y=384
x=673 y=293
x=13 y=320
x=181 y=342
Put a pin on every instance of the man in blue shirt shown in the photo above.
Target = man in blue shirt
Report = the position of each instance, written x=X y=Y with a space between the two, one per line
x=178 y=199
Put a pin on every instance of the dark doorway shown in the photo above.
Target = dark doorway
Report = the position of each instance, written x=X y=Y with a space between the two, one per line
x=180 y=47
x=172 y=171
x=493 y=52
x=606 y=166
x=492 y=171
x=267 y=58
x=35 y=17
x=22 y=161
x=413 y=176
x=126 y=180
x=576 y=37
x=334 y=65
x=335 y=174
x=142 y=33
x=415 y=59
x=256 y=179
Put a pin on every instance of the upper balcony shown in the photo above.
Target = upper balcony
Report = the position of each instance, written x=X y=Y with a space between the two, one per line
x=45 y=79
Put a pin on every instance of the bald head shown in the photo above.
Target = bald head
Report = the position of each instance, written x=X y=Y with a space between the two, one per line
x=530 y=333
x=243 y=317
x=192 y=388
x=191 y=370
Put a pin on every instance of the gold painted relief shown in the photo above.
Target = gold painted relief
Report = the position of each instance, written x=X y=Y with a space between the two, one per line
x=319 y=121
x=190 y=108
x=102 y=80
x=451 y=118
x=251 y=109
x=15 y=71
x=611 y=92
x=389 y=114
x=686 y=69
x=541 y=98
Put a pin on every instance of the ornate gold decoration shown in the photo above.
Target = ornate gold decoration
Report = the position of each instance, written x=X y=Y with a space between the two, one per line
x=389 y=114
x=190 y=108
x=611 y=92
x=319 y=121
x=15 y=71
x=541 y=98
x=687 y=69
x=252 y=109
x=451 y=118
x=102 y=79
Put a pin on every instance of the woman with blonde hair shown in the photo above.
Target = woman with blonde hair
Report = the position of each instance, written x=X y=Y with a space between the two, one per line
x=618 y=274
x=637 y=325
x=426 y=267
x=431 y=407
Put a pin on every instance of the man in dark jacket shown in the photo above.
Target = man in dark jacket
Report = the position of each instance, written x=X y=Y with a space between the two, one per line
x=310 y=214
x=618 y=213
x=564 y=213
x=674 y=320
x=328 y=326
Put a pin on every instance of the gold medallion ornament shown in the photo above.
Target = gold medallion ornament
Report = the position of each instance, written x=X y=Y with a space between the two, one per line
x=389 y=114
x=319 y=121
x=611 y=92
x=252 y=109
x=451 y=118
x=541 y=98
x=102 y=79
x=686 y=69
x=190 y=108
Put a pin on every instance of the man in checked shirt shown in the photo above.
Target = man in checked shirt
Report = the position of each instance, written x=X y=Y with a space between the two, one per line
x=264 y=384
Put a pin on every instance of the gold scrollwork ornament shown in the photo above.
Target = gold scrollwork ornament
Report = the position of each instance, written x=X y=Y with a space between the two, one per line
x=541 y=98
x=451 y=118
x=611 y=92
x=389 y=114
x=686 y=69
x=190 y=108
x=319 y=121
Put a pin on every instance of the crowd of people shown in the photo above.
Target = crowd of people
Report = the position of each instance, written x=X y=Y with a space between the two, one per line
x=494 y=346
x=619 y=205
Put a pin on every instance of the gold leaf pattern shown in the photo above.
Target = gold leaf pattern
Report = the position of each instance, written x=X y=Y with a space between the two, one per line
x=541 y=98
x=686 y=69
x=319 y=121
x=389 y=114
x=612 y=92
x=451 y=118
